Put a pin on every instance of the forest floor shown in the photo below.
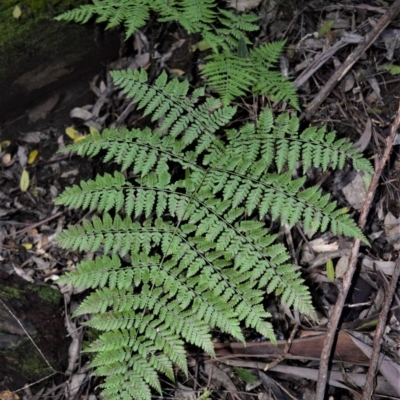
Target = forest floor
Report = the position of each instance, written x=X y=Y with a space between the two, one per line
x=76 y=95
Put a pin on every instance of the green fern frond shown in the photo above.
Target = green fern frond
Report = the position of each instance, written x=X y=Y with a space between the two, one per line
x=179 y=238
x=194 y=15
x=232 y=75
x=180 y=113
x=228 y=75
x=268 y=81
x=233 y=28
x=133 y=14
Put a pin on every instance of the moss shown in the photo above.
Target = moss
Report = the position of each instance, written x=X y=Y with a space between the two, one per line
x=48 y=294
x=25 y=360
x=33 y=366
x=10 y=292
x=34 y=35
x=45 y=293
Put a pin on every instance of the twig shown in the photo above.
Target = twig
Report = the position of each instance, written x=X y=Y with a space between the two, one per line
x=373 y=364
x=348 y=277
x=370 y=38
x=285 y=353
x=43 y=221
x=322 y=58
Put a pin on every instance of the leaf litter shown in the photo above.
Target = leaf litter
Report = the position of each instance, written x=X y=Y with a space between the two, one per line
x=361 y=109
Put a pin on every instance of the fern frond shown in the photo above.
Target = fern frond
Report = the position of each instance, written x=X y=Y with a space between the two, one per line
x=268 y=81
x=180 y=113
x=193 y=15
x=133 y=14
x=228 y=75
x=180 y=242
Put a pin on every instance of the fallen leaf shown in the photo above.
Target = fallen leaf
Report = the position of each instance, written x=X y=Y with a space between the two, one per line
x=17 y=12
x=392 y=230
x=79 y=138
x=387 y=367
x=7 y=395
x=325 y=27
x=386 y=267
x=220 y=376
x=355 y=192
x=72 y=132
x=330 y=271
x=26 y=246
x=365 y=138
x=24 y=182
x=26 y=275
x=176 y=72
x=201 y=46
x=184 y=392
x=6 y=158
x=243 y=5
x=22 y=157
x=33 y=137
x=342 y=266
x=32 y=156
x=245 y=375
x=80 y=113
x=348 y=82
x=392 y=68
x=75 y=384
x=5 y=143
x=93 y=130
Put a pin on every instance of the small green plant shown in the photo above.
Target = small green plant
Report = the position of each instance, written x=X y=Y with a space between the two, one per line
x=179 y=232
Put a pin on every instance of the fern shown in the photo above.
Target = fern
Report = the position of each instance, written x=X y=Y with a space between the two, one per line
x=179 y=231
x=196 y=253
x=231 y=75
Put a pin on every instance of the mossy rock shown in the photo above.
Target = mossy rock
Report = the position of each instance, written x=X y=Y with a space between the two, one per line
x=30 y=312
x=29 y=33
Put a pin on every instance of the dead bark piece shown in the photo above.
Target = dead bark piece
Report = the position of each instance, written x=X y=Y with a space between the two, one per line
x=305 y=348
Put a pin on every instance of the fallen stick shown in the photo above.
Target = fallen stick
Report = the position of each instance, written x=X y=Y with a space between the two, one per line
x=348 y=277
x=370 y=38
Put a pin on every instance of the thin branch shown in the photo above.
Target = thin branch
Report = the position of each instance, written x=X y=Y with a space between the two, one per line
x=370 y=38
x=373 y=364
x=348 y=277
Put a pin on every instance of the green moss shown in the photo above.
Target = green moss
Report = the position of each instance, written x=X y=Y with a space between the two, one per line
x=33 y=366
x=25 y=360
x=34 y=34
x=45 y=293
x=10 y=292
x=48 y=294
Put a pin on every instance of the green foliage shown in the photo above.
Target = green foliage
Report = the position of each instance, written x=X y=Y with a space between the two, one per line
x=179 y=231
x=232 y=75
x=392 y=68
x=198 y=259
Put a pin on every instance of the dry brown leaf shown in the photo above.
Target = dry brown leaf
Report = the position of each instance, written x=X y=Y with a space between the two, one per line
x=355 y=192
x=392 y=230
